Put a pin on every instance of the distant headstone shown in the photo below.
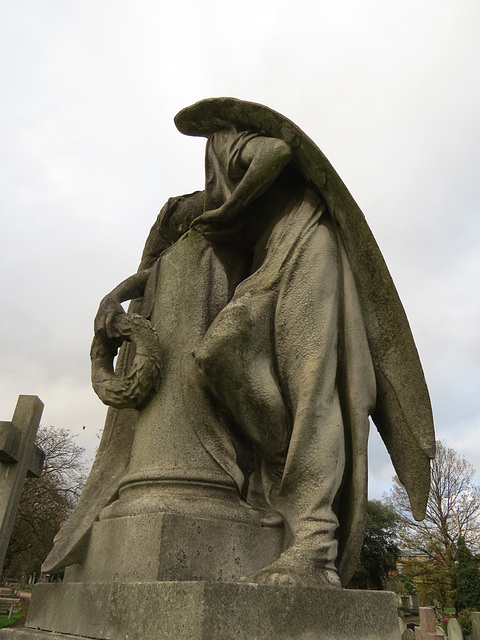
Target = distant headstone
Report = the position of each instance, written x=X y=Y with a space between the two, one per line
x=440 y=632
x=415 y=604
x=475 y=618
x=408 y=635
x=427 y=622
x=406 y=603
x=19 y=457
x=454 y=630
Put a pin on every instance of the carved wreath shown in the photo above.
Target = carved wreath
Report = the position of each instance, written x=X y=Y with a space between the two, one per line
x=134 y=388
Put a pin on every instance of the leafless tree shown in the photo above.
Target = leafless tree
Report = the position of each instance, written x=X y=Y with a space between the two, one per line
x=453 y=508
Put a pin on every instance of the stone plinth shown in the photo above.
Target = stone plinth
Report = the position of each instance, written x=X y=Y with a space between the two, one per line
x=163 y=576
x=170 y=547
x=206 y=611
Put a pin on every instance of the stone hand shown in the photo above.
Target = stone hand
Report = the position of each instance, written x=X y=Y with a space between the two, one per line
x=220 y=216
x=108 y=310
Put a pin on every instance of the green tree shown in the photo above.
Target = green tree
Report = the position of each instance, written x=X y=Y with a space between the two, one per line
x=467 y=579
x=45 y=502
x=379 y=550
x=430 y=579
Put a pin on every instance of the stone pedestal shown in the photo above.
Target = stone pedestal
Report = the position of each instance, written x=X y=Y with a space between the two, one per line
x=164 y=575
x=169 y=547
x=206 y=611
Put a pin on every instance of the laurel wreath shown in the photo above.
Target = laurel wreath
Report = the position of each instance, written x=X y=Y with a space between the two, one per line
x=133 y=388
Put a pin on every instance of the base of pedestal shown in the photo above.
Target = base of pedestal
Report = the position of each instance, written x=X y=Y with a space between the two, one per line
x=206 y=611
x=170 y=547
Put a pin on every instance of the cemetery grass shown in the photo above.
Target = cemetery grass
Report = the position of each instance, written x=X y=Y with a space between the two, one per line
x=5 y=621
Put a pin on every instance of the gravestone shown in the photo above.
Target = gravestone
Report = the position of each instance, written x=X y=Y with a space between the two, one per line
x=406 y=604
x=428 y=629
x=19 y=458
x=428 y=623
x=408 y=634
x=454 y=630
x=415 y=604
x=475 y=618
x=228 y=494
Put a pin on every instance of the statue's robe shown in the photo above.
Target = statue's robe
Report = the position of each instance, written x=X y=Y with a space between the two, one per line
x=288 y=358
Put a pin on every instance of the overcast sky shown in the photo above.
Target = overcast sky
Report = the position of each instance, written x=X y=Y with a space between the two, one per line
x=89 y=154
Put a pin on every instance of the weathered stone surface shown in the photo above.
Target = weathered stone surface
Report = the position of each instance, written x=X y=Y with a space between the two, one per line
x=17 y=441
x=454 y=630
x=475 y=618
x=9 y=442
x=20 y=633
x=428 y=622
x=209 y=611
x=166 y=546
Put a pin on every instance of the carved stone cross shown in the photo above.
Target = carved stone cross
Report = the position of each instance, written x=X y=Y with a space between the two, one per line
x=19 y=457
